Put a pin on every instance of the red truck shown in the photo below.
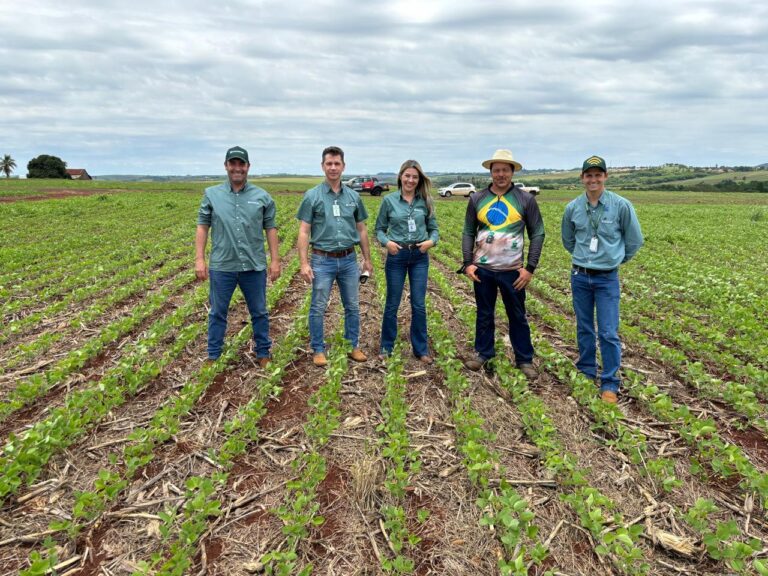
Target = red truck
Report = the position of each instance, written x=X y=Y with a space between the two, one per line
x=369 y=184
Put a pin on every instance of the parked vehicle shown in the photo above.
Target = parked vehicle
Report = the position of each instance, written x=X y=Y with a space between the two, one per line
x=530 y=189
x=457 y=189
x=369 y=184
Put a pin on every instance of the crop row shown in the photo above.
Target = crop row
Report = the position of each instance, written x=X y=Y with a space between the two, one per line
x=28 y=351
x=741 y=396
x=24 y=455
x=401 y=460
x=201 y=498
x=164 y=425
x=30 y=389
x=723 y=458
x=81 y=287
x=597 y=513
x=27 y=257
x=167 y=420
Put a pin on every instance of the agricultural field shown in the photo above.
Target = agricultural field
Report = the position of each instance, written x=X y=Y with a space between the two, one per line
x=122 y=453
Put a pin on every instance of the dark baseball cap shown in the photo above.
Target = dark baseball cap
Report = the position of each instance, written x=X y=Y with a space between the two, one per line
x=594 y=162
x=237 y=152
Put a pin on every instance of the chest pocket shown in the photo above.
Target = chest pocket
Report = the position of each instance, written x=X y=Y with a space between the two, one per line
x=609 y=225
x=255 y=217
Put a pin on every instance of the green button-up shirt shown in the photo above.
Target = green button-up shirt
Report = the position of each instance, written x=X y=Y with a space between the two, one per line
x=333 y=217
x=237 y=221
x=613 y=222
x=395 y=213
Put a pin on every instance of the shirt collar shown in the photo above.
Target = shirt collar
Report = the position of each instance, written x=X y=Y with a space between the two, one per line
x=416 y=198
x=602 y=200
x=328 y=188
x=508 y=190
x=232 y=190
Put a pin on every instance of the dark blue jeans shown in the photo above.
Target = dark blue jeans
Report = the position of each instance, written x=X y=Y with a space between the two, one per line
x=253 y=285
x=598 y=293
x=492 y=282
x=415 y=265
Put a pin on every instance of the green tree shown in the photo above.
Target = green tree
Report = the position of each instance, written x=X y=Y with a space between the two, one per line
x=7 y=165
x=45 y=166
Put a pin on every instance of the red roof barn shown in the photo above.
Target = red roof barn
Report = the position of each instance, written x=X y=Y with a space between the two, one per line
x=78 y=174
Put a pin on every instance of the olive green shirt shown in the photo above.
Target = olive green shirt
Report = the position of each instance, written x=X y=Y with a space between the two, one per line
x=333 y=217
x=403 y=222
x=237 y=221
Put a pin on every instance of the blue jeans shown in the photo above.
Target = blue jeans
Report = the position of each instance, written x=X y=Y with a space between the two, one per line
x=491 y=282
x=253 y=285
x=598 y=293
x=346 y=273
x=415 y=265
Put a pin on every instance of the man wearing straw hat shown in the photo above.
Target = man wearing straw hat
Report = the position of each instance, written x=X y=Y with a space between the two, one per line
x=492 y=251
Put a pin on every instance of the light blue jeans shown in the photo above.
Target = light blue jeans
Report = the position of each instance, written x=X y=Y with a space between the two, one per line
x=598 y=295
x=346 y=273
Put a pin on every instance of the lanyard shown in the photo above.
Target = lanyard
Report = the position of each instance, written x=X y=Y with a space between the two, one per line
x=594 y=221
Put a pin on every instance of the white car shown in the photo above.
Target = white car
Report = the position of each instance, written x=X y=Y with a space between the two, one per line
x=457 y=189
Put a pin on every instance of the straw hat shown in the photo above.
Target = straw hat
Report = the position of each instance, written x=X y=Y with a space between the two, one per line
x=505 y=156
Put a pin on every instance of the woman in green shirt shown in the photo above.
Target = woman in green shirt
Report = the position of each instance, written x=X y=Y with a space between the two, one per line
x=407 y=228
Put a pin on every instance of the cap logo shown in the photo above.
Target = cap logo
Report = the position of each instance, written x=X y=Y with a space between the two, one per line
x=594 y=161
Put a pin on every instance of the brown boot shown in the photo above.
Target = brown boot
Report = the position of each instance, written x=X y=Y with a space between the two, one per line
x=609 y=397
x=319 y=359
x=475 y=363
x=357 y=355
x=264 y=361
x=529 y=370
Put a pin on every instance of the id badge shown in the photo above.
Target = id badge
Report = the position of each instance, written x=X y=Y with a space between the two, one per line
x=411 y=225
x=593 y=244
x=336 y=210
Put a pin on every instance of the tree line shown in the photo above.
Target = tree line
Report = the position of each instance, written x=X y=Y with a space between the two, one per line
x=44 y=166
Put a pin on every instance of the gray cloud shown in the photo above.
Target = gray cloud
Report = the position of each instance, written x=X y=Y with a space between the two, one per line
x=164 y=88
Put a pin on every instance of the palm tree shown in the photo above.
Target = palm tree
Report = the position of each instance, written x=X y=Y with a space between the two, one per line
x=7 y=164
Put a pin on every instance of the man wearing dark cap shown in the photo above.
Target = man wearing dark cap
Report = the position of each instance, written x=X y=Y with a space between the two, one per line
x=601 y=231
x=239 y=215
x=492 y=249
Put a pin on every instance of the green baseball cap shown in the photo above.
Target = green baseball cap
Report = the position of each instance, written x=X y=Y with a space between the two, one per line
x=237 y=152
x=594 y=162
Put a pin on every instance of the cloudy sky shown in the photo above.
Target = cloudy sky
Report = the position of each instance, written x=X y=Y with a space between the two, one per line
x=164 y=87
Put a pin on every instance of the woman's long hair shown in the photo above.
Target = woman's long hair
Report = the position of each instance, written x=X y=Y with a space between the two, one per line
x=423 y=188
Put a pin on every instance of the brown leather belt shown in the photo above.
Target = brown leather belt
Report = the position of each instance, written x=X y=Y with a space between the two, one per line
x=333 y=254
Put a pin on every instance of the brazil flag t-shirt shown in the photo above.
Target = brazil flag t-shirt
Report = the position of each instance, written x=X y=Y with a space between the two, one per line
x=499 y=241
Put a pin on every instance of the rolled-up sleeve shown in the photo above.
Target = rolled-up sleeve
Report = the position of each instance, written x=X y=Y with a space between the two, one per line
x=269 y=215
x=382 y=224
x=205 y=213
x=432 y=230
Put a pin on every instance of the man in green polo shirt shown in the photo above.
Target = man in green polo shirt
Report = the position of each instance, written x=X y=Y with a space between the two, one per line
x=332 y=220
x=238 y=215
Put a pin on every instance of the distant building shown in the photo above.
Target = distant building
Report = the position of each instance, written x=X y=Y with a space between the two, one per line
x=78 y=174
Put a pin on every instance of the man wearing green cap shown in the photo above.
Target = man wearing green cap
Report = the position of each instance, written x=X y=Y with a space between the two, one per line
x=601 y=231
x=239 y=215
